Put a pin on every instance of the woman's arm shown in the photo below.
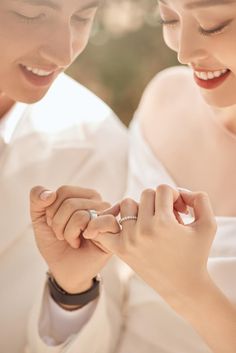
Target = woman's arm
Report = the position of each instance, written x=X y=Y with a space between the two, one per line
x=212 y=316
x=172 y=258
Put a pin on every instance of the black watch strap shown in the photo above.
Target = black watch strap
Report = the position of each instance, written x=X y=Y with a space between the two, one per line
x=79 y=299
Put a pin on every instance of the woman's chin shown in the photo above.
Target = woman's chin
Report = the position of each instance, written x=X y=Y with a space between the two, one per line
x=219 y=100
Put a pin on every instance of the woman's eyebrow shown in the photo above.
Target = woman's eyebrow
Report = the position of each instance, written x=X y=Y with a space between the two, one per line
x=203 y=3
x=56 y=6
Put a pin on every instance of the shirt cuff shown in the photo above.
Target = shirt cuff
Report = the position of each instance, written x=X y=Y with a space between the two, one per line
x=58 y=324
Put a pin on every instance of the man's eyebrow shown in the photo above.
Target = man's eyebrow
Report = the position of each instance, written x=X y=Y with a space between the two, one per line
x=55 y=6
x=203 y=3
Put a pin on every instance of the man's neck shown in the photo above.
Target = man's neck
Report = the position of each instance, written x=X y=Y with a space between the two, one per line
x=5 y=105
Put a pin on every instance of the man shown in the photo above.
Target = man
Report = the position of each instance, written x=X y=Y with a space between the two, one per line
x=62 y=136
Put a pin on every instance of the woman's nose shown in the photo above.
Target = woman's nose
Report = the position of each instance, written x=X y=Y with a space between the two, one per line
x=191 y=47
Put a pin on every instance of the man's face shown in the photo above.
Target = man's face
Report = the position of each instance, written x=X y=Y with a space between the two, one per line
x=38 y=40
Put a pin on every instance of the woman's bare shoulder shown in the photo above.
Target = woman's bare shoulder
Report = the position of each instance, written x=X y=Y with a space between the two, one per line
x=168 y=88
x=169 y=97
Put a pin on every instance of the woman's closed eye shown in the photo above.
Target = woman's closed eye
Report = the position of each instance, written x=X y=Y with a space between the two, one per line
x=206 y=32
x=167 y=22
x=216 y=30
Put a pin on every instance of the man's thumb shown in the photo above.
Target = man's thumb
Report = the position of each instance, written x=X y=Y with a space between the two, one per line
x=40 y=199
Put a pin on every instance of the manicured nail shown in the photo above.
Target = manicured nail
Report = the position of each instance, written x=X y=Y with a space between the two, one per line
x=45 y=195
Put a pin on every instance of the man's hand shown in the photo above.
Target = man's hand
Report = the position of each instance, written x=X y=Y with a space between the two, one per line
x=59 y=219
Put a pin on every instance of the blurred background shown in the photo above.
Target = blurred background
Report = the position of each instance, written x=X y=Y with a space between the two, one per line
x=126 y=50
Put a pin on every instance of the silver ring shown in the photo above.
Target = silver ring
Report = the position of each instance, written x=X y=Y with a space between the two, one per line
x=128 y=218
x=93 y=214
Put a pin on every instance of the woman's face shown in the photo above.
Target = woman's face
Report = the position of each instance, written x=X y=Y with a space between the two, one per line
x=38 y=40
x=203 y=33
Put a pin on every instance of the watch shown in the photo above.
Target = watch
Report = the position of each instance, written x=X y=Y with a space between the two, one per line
x=78 y=299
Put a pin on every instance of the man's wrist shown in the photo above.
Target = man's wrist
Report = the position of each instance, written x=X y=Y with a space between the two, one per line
x=73 y=301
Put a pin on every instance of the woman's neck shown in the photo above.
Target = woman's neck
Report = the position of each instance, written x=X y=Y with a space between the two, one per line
x=227 y=117
x=5 y=104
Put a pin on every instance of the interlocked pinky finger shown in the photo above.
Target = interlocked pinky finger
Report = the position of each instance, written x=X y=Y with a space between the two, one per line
x=101 y=224
x=75 y=226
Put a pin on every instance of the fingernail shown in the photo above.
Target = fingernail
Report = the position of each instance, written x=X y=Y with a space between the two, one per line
x=45 y=195
x=184 y=190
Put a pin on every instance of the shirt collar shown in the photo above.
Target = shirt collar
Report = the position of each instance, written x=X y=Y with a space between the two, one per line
x=10 y=120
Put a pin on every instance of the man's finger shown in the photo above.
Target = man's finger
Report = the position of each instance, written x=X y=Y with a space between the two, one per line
x=40 y=199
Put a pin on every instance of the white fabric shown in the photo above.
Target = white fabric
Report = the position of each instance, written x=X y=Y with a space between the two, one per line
x=59 y=323
x=69 y=137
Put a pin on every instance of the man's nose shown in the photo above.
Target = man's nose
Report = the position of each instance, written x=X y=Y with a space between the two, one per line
x=58 y=48
x=191 y=47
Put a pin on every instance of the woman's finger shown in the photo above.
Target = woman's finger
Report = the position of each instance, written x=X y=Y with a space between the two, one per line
x=101 y=224
x=201 y=205
x=128 y=208
x=164 y=202
x=147 y=205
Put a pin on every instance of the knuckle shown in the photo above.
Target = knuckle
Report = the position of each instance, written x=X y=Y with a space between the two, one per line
x=68 y=205
x=202 y=195
x=145 y=230
x=163 y=188
x=127 y=202
x=94 y=194
x=148 y=192
x=62 y=190
x=81 y=217
x=105 y=205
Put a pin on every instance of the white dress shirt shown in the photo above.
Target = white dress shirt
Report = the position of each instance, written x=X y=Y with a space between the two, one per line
x=69 y=137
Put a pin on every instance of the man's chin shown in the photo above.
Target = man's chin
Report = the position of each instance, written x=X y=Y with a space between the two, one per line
x=32 y=96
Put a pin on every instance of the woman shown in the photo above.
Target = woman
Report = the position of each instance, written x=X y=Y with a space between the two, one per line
x=183 y=135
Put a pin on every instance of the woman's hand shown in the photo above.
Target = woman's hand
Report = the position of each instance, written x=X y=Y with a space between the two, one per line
x=170 y=256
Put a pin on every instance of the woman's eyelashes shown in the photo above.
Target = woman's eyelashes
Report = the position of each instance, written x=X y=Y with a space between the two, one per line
x=206 y=32
x=217 y=30
x=167 y=22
